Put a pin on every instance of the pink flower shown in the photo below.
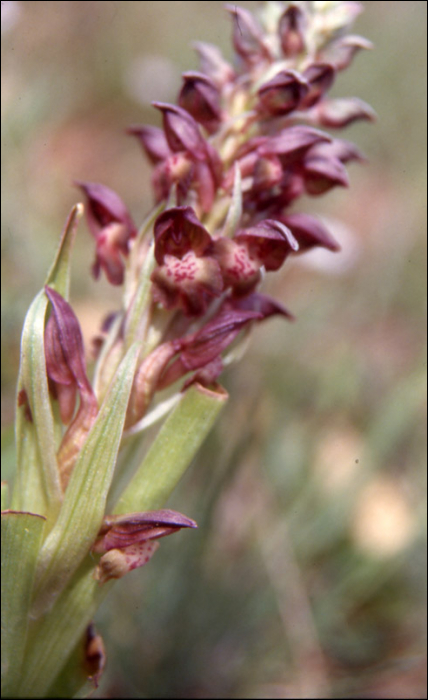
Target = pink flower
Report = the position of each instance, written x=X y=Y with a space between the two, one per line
x=112 y=227
x=187 y=277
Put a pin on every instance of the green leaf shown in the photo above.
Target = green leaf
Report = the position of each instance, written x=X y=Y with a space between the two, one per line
x=4 y=495
x=59 y=274
x=72 y=680
x=176 y=444
x=21 y=535
x=83 y=508
x=55 y=636
x=37 y=485
x=8 y=453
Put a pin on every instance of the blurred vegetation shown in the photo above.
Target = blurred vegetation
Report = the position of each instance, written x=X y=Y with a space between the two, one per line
x=307 y=576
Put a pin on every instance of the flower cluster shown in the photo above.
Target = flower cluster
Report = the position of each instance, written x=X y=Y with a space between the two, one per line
x=242 y=144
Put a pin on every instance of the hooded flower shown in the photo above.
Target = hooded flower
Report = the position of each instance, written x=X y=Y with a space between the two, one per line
x=184 y=158
x=127 y=541
x=200 y=97
x=187 y=277
x=248 y=38
x=112 y=227
x=283 y=93
x=291 y=29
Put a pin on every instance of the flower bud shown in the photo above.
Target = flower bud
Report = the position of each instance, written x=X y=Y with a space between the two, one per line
x=247 y=35
x=201 y=98
x=213 y=64
x=283 y=93
x=292 y=26
x=181 y=131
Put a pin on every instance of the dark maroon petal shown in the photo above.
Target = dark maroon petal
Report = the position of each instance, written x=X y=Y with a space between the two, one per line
x=291 y=29
x=294 y=139
x=342 y=112
x=321 y=174
x=206 y=345
x=153 y=141
x=310 y=232
x=65 y=362
x=112 y=244
x=105 y=207
x=247 y=35
x=201 y=98
x=112 y=226
x=181 y=131
x=270 y=242
x=320 y=77
x=120 y=531
x=283 y=93
x=265 y=305
x=178 y=231
x=214 y=333
x=213 y=64
x=56 y=364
